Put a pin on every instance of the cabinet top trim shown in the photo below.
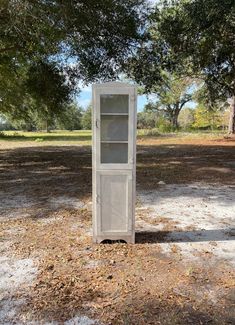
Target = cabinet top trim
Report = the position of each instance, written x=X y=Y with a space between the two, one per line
x=113 y=84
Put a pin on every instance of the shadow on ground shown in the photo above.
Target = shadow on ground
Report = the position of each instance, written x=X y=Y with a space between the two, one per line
x=36 y=174
x=143 y=237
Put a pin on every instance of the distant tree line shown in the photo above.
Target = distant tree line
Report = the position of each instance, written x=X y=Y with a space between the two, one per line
x=72 y=117
x=190 y=119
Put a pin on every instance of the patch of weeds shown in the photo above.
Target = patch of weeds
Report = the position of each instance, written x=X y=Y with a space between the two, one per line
x=13 y=136
x=148 y=132
x=39 y=140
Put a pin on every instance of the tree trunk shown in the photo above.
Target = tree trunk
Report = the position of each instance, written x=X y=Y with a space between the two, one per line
x=231 y=127
x=174 y=120
x=46 y=126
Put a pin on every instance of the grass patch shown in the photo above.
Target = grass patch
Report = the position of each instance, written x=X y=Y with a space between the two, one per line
x=13 y=135
x=81 y=135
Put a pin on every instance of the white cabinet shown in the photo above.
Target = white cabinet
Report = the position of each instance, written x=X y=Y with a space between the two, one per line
x=113 y=161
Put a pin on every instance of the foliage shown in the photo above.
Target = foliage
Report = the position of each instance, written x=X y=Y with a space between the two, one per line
x=163 y=125
x=39 y=39
x=48 y=87
x=207 y=119
x=92 y=32
x=186 y=118
x=47 y=46
x=147 y=120
x=86 y=119
x=38 y=92
x=159 y=72
x=148 y=132
x=70 y=118
x=171 y=96
x=201 y=33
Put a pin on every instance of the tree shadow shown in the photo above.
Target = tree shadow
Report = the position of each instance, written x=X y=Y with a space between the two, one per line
x=143 y=237
x=39 y=172
x=185 y=163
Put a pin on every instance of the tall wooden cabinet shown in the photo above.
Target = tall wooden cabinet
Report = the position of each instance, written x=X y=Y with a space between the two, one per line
x=114 y=161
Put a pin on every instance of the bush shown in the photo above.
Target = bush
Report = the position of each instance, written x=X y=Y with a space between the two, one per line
x=164 y=125
x=146 y=120
x=86 y=119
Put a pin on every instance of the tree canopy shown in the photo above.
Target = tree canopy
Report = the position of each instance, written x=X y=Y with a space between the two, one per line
x=74 y=40
x=98 y=35
x=202 y=34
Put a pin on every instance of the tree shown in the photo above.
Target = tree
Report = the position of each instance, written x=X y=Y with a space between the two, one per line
x=201 y=33
x=70 y=118
x=47 y=85
x=147 y=119
x=87 y=40
x=44 y=93
x=158 y=71
x=186 y=118
x=86 y=119
x=207 y=119
x=210 y=112
x=171 y=96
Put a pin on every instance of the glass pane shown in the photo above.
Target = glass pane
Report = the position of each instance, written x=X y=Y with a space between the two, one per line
x=114 y=127
x=114 y=104
x=114 y=153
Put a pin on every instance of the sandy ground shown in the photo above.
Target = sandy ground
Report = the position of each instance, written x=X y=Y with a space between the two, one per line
x=181 y=269
x=196 y=218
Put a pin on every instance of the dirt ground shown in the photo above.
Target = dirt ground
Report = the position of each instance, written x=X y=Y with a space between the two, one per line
x=181 y=269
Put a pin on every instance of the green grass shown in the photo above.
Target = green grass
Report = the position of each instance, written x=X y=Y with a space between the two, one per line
x=83 y=137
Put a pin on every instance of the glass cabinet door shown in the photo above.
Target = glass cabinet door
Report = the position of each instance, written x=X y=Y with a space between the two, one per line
x=114 y=128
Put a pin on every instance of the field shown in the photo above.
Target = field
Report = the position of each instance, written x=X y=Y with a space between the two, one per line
x=181 y=269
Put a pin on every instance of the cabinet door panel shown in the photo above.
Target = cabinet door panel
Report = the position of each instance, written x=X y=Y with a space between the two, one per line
x=114 y=202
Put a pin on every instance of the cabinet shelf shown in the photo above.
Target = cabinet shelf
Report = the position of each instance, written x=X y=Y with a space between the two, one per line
x=115 y=114
x=110 y=141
